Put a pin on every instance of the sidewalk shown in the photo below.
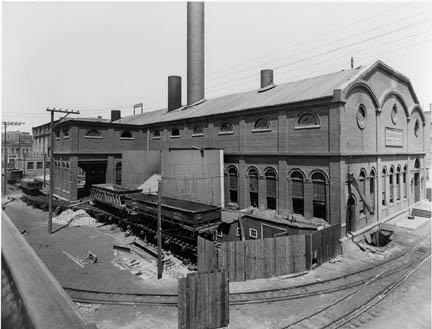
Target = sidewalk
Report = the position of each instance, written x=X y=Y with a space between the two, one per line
x=106 y=276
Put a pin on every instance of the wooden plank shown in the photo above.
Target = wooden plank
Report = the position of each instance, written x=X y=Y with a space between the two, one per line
x=200 y=299
x=278 y=260
x=232 y=260
x=269 y=256
x=240 y=271
x=308 y=251
x=181 y=301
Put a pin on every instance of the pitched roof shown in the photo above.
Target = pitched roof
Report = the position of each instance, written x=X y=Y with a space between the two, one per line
x=291 y=92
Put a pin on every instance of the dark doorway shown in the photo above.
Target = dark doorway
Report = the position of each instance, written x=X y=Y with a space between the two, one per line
x=351 y=214
x=416 y=187
x=95 y=173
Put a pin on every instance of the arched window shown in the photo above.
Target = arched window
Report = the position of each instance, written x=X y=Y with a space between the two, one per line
x=417 y=164
x=384 y=179
x=361 y=116
x=261 y=125
x=362 y=183
x=126 y=135
x=398 y=171
x=175 y=132
x=391 y=186
x=93 y=133
x=233 y=184
x=417 y=128
x=226 y=128
x=156 y=134
x=198 y=131
x=372 y=187
x=270 y=176
x=307 y=120
x=66 y=133
x=118 y=173
x=404 y=182
x=394 y=114
x=319 y=196
x=57 y=133
x=253 y=187
x=297 y=192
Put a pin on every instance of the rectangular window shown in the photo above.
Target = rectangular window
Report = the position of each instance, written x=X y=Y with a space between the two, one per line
x=238 y=231
x=253 y=233
x=30 y=165
x=219 y=233
x=39 y=165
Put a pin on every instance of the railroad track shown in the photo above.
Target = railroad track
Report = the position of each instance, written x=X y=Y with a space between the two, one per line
x=386 y=270
x=368 y=294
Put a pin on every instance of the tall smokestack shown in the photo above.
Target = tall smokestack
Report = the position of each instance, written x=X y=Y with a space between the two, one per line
x=174 y=92
x=195 y=52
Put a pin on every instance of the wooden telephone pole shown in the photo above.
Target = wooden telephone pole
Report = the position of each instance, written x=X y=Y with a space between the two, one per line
x=5 y=125
x=51 y=187
x=159 y=232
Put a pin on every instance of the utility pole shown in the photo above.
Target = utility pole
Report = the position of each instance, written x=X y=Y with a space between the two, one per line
x=5 y=125
x=159 y=231
x=51 y=187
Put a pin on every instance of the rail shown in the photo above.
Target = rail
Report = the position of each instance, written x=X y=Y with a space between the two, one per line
x=31 y=292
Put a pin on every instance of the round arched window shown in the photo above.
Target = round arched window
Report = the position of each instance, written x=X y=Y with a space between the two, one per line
x=126 y=135
x=226 y=127
x=175 y=132
x=93 y=133
x=361 y=116
x=261 y=124
x=417 y=128
x=394 y=114
x=156 y=134
x=198 y=130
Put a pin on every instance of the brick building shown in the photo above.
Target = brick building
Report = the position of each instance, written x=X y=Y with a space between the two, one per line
x=289 y=147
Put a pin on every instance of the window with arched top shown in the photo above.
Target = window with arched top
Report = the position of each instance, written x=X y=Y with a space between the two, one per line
x=417 y=164
x=66 y=133
x=261 y=124
x=253 y=187
x=391 y=184
x=307 y=120
x=93 y=133
x=362 y=183
x=233 y=184
x=372 y=187
x=198 y=131
x=297 y=192
x=226 y=128
x=319 y=197
x=404 y=182
x=175 y=132
x=417 y=128
x=398 y=192
x=57 y=133
x=126 y=135
x=271 y=186
x=383 y=180
x=361 y=116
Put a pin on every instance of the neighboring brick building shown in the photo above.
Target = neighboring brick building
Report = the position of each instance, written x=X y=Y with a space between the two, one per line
x=288 y=147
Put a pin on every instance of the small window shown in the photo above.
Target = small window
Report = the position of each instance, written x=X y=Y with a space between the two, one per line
x=361 y=116
x=175 y=132
x=226 y=128
x=30 y=165
x=63 y=164
x=57 y=134
x=66 y=133
x=93 y=133
x=261 y=125
x=219 y=233
x=39 y=165
x=238 y=231
x=417 y=128
x=126 y=135
x=307 y=120
x=198 y=131
x=394 y=114
x=156 y=134
x=253 y=233
x=67 y=164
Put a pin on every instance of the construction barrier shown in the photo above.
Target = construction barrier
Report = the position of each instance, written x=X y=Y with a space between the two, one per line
x=203 y=300
x=265 y=258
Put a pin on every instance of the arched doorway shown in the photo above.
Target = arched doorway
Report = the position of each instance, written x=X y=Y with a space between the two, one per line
x=417 y=180
x=351 y=213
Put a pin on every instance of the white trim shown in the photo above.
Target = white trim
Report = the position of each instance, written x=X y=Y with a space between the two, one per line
x=250 y=233
x=156 y=137
x=93 y=137
x=198 y=135
x=127 y=138
x=226 y=133
x=175 y=136
x=261 y=130
x=298 y=127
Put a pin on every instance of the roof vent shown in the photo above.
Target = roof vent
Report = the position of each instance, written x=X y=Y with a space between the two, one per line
x=266 y=80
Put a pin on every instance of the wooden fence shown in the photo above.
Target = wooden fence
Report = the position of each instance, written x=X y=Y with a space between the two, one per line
x=203 y=300
x=264 y=258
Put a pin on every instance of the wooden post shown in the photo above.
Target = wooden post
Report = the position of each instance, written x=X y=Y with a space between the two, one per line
x=159 y=231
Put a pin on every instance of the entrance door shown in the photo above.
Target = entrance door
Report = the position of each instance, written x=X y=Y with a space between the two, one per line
x=417 y=187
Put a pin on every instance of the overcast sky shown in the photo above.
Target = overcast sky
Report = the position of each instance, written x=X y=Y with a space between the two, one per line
x=94 y=57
